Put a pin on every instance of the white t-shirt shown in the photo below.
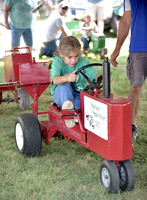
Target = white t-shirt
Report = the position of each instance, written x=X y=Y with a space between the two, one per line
x=51 y=27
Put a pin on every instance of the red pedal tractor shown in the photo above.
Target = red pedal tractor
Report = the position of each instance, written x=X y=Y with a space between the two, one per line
x=24 y=77
x=103 y=126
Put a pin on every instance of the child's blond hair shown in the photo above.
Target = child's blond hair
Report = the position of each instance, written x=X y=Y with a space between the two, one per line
x=67 y=45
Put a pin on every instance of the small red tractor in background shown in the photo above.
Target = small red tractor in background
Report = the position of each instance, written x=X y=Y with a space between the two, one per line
x=103 y=124
x=22 y=78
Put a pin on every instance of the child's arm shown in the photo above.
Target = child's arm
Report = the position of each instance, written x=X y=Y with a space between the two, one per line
x=88 y=28
x=57 y=80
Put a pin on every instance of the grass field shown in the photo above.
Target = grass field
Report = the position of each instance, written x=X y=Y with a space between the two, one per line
x=65 y=170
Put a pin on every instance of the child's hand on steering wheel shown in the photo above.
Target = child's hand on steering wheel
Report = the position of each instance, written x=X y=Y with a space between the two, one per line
x=71 y=77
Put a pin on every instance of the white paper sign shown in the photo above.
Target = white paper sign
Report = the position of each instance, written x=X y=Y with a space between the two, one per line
x=96 y=117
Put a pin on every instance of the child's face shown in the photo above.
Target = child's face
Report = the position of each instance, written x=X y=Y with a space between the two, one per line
x=88 y=19
x=71 y=59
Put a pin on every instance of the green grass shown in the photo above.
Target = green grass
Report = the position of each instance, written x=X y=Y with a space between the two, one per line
x=66 y=170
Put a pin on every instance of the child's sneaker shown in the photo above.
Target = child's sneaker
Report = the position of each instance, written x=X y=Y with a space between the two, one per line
x=68 y=105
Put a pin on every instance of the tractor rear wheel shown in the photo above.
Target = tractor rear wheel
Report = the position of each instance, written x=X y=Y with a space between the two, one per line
x=28 y=135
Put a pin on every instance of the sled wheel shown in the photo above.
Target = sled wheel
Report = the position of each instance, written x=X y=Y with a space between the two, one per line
x=28 y=135
x=127 y=176
x=109 y=176
x=24 y=98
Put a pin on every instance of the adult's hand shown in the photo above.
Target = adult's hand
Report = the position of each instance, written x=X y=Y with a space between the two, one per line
x=113 y=58
x=7 y=26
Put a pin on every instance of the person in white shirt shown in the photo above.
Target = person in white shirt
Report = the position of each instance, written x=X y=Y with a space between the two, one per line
x=53 y=30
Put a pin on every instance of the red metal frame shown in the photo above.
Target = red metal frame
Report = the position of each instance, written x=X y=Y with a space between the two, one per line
x=116 y=141
x=117 y=147
x=119 y=143
x=23 y=71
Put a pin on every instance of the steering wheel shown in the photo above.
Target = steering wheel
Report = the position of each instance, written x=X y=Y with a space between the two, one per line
x=91 y=85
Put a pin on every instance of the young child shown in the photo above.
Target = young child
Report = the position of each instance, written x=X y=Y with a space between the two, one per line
x=66 y=62
x=87 y=29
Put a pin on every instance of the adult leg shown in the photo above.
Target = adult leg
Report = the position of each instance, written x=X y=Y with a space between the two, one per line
x=134 y=97
x=136 y=73
x=28 y=38
x=50 y=48
x=117 y=20
x=100 y=16
x=15 y=37
x=100 y=24
x=117 y=25
x=92 y=10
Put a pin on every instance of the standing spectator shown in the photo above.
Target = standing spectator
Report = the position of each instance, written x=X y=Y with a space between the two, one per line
x=118 y=11
x=53 y=30
x=135 y=17
x=87 y=28
x=96 y=9
x=19 y=19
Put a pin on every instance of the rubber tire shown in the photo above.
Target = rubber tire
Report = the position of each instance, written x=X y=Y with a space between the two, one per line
x=109 y=176
x=25 y=98
x=28 y=135
x=127 y=175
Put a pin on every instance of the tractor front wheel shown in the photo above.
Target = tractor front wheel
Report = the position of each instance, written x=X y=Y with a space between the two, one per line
x=127 y=175
x=28 y=135
x=109 y=176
